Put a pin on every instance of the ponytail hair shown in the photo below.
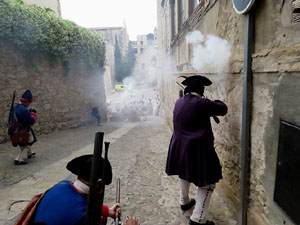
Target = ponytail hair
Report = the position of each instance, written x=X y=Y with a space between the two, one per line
x=197 y=89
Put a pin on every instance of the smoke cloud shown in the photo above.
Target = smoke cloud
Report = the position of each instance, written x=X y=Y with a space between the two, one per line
x=210 y=53
x=139 y=99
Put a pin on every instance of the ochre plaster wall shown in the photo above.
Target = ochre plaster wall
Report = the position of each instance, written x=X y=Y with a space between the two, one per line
x=276 y=82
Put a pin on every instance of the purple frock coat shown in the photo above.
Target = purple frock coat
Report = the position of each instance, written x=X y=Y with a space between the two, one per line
x=191 y=153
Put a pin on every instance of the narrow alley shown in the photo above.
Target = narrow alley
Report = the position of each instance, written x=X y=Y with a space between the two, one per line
x=137 y=153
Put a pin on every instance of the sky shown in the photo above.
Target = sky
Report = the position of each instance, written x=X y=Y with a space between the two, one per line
x=139 y=15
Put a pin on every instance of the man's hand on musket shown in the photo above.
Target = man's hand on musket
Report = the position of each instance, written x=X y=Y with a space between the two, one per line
x=32 y=110
x=114 y=211
x=131 y=220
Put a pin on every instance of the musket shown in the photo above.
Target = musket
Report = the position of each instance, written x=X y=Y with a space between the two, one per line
x=97 y=185
x=118 y=219
x=11 y=106
x=216 y=119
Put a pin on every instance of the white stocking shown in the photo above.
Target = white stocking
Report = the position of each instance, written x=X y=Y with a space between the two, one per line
x=20 y=156
x=203 y=200
x=184 y=191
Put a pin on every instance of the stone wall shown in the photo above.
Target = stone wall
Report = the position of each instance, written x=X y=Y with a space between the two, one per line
x=276 y=82
x=110 y=34
x=63 y=97
x=54 y=5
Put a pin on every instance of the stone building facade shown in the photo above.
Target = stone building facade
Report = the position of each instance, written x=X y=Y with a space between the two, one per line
x=54 y=5
x=62 y=100
x=146 y=53
x=275 y=99
x=110 y=34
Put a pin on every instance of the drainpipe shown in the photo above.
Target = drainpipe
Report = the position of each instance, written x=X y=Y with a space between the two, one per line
x=246 y=119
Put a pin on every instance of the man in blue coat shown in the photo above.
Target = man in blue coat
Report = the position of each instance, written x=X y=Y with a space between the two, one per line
x=66 y=203
x=21 y=119
x=191 y=153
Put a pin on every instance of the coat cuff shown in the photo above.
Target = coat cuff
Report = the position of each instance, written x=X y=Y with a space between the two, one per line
x=104 y=214
x=33 y=115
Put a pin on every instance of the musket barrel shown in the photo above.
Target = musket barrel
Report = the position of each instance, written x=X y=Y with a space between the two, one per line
x=96 y=194
x=11 y=106
x=118 y=191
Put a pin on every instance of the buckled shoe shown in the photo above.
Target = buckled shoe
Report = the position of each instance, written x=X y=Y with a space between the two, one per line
x=207 y=223
x=188 y=205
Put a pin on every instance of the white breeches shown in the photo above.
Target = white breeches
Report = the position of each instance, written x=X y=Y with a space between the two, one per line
x=27 y=149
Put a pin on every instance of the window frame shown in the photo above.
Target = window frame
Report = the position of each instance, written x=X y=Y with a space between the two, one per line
x=173 y=19
x=180 y=14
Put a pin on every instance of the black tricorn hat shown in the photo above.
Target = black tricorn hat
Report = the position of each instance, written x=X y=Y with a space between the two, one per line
x=196 y=80
x=82 y=167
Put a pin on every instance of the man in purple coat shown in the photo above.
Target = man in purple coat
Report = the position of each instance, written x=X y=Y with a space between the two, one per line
x=191 y=153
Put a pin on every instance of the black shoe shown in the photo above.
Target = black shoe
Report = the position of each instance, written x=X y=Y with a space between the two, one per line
x=207 y=223
x=188 y=206
x=32 y=155
x=16 y=162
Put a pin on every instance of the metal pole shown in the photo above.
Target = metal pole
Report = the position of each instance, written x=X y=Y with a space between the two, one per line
x=246 y=119
x=118 y=219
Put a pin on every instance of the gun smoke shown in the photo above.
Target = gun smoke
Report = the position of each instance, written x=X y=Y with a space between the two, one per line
x=210 y=53
x=139 y=99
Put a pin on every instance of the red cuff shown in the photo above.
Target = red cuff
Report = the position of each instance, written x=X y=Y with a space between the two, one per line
x=33 y=114
x=104 y=214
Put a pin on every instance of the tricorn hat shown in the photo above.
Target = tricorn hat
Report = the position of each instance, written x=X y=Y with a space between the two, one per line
x=82 y=167
x=196 y=80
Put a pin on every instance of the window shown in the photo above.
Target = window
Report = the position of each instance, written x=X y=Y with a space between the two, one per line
x=195 y=3
x=150 y=36
x=141 y=51
x=153 y=60
x=143 y=66
x=172 y=7
x=180 y=13
x=296 y=11
x=192 y=6
x=286 y=192
x=141 y=42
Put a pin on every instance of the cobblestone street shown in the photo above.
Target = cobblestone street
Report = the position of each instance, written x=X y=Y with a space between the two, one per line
x=137 y=153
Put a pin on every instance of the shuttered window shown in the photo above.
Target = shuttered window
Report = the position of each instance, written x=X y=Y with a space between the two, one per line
x=296 y=11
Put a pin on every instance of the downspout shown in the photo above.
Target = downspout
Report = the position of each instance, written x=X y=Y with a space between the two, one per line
x=246 y=119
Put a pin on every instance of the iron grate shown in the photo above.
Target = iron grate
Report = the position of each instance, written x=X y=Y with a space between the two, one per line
x=296 y=11
x=296 y=4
